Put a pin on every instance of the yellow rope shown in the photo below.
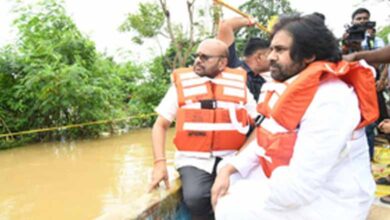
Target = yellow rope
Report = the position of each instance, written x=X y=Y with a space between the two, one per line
x=74 y=125
x=258 y=25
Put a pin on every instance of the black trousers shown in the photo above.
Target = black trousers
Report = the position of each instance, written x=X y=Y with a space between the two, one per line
x=196 y=188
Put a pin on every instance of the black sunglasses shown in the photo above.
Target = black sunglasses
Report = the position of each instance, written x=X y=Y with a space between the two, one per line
x=204 y=57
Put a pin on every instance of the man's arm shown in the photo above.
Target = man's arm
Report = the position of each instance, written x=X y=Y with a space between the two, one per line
x=160 y=172
x=381 y=55
x=229 y=26
x=166 y=114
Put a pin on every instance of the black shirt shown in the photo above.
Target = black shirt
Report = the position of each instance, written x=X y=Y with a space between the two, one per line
x=254 y=82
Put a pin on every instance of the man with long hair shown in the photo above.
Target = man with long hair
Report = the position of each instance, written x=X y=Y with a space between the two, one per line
x=308 y=158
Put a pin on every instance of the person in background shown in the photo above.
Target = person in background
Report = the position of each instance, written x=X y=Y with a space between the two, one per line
x=212 y=107
x=254 y=63
x=372 y=41
x=359 y=18
x=381 y=55
x=308 y=159
x=361 y=24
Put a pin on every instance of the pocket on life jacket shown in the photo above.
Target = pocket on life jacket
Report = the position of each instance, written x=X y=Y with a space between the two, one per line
x=191 y=130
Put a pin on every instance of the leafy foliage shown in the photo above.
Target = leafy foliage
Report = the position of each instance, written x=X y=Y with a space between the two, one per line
x=53 y=76
x=146 y=23
x=262 y=11
x=383 y=33
x=148 y=94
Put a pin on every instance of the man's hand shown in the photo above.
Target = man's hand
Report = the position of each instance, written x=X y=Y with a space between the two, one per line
x=384 y=126
x=349 y=57
x=160 y=173
x=380 y=85
x=221 y=184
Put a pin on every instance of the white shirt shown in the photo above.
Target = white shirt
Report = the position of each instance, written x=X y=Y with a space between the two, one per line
x=168 y=108
x=377 y=43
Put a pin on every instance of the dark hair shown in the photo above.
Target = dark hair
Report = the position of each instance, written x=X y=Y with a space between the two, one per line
x=255 y=44
x=320 y=15
x=310 y=38
x=360 y=11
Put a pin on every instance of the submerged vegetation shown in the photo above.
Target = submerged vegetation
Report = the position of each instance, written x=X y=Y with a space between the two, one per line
x=53 y=76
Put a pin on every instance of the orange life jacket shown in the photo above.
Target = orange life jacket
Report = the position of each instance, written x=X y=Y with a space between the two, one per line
x=284 y=105
x=211 y=115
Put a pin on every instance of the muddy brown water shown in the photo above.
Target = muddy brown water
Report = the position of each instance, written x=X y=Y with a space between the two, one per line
x=76 y=180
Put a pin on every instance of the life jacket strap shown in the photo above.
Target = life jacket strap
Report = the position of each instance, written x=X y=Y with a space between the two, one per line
x=208 y=104
x=259 y=119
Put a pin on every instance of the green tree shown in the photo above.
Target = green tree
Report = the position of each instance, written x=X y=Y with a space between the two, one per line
x=54 y=76
x=383 y=33
x=149 y=92
x=153 y=20
x=262 y=11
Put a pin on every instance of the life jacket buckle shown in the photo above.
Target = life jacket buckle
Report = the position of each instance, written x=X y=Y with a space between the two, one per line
x=259 y=119
x=208 y=104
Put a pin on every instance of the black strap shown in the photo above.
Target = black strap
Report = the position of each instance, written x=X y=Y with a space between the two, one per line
x=208 y=104
x=259 y=119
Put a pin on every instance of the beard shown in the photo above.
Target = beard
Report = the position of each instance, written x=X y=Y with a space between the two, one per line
x=199 y=69
x=283 y=72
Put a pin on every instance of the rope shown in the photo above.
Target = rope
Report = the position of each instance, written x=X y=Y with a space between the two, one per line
x=258 y=25
x=39 y=130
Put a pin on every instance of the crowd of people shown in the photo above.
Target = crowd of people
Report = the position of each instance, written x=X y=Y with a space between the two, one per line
x=284 y=132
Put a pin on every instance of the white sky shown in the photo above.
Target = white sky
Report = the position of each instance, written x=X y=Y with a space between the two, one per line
x=100 y=20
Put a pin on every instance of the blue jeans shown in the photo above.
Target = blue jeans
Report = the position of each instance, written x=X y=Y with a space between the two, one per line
x=371 y=138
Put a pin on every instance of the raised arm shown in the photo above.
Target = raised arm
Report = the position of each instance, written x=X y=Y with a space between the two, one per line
x=229 y=26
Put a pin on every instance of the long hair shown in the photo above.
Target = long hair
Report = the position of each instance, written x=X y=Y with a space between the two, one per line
x=310 y=36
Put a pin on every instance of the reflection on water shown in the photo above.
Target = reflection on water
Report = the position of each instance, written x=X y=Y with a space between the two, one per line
x=78 y=180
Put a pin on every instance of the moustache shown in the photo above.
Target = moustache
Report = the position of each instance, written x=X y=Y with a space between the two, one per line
x=198 y=65
x=274 y=64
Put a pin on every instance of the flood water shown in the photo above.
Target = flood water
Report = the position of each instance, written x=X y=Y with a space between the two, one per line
x=76 y=180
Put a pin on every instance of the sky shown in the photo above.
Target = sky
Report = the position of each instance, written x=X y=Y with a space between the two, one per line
x=100 y=19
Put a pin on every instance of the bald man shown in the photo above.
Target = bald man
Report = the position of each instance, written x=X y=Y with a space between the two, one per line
x=212 y=106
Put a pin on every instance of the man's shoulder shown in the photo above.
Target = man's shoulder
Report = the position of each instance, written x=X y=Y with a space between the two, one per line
x=333 y=90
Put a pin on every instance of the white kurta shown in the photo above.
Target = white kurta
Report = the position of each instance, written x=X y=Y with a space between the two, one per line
x=329 y=173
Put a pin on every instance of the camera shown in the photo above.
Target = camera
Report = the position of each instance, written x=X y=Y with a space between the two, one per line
x=357 y=32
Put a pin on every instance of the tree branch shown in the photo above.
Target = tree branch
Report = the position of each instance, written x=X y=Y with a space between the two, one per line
x=190 y=9
x=163 y=4
x=6 y=128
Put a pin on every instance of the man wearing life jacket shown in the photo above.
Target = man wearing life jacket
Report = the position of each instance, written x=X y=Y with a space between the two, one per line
x=212 y=107
x=309 y=158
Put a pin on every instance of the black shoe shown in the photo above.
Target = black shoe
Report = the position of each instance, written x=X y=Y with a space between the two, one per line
x=385 y=199
x=383 y=181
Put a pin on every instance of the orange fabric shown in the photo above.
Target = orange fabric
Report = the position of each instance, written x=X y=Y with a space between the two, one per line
x=207 y=141
x=365 y=88
x=176 y=79
x=279 y=147
x=212 y=89
x=292 y=104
